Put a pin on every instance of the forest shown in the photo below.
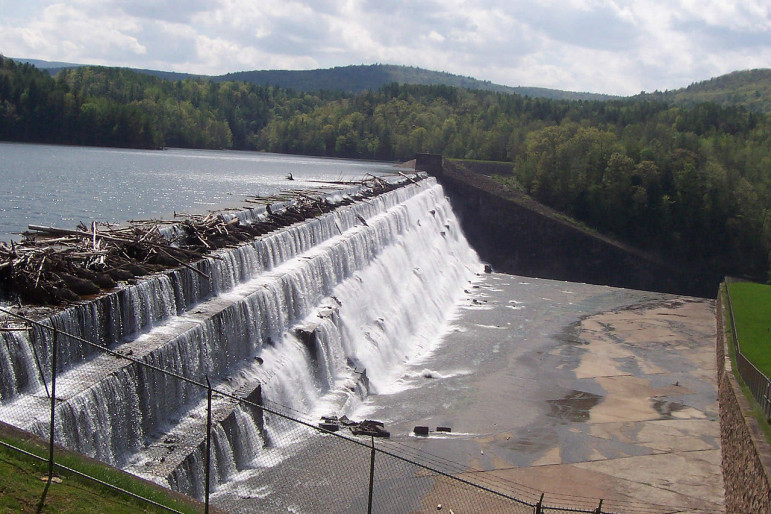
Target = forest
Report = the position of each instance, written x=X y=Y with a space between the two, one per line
x=690 y=183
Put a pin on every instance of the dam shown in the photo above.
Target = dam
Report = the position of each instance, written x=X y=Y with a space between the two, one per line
x=378 y=309
x=307 y=319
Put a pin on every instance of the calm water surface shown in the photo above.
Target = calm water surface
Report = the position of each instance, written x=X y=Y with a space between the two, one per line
x=62 y=186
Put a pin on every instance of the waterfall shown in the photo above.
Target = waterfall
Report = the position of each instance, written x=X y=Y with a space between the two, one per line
x=293 y=318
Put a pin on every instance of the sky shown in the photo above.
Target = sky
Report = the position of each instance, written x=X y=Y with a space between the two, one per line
x=601 y=46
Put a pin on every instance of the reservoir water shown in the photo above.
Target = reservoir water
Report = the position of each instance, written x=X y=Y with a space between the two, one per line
x=63 y=185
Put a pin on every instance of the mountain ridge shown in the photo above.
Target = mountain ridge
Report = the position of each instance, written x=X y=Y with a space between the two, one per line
x=750 y=89
x=355 y=78
x=746 y=88
x=358 y=78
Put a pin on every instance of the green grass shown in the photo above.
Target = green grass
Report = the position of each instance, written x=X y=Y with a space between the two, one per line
x=23 y=484
x=756 y=411
x=752 y=310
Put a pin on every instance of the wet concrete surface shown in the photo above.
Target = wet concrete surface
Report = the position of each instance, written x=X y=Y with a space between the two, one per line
x=579 y=391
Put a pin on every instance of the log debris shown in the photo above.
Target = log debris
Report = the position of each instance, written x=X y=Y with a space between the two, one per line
x=55 y=266
x=368 y=427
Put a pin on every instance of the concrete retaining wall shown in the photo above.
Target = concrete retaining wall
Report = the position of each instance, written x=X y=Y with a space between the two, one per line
x=520 y=236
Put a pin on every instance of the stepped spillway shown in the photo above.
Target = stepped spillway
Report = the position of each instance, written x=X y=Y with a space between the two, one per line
x=294 y=318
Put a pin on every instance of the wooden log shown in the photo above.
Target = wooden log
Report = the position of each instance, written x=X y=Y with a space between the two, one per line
x=192 y=268
x=408 y=178
x=79 y=286
x=119 y=274
x=65 y=231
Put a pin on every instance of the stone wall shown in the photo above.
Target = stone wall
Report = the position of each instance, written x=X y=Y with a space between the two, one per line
x=746 y=454
x=520 y=236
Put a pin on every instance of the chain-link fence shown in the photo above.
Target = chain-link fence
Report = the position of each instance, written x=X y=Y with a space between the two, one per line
x=757 y=382
x=227 y=447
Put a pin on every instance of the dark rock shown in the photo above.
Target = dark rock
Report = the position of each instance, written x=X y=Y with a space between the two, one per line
x=308 y=338
x=254 y=406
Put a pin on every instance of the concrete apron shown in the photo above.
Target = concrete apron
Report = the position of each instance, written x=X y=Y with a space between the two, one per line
x=581 y=392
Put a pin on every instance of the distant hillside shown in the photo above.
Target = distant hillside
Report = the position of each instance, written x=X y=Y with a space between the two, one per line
x=349 y=79
x=749 y=88
x=354 y=79
x=169 y=75
x=48 y=65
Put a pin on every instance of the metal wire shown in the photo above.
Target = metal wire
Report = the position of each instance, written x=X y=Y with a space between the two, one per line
x=296 y=463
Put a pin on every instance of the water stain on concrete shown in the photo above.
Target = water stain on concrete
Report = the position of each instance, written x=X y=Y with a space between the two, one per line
x=574 y=406
x=666 y=407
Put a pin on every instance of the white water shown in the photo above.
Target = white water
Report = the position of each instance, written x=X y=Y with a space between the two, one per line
x=368 y=296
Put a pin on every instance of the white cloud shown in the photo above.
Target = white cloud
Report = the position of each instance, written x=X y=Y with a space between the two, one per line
x=65 y=32
x=616 y=46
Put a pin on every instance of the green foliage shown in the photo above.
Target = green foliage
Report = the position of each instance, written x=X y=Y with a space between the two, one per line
x=36 y=108
x=752 y=311
x=357 y=79
x=692 y=184
x=191 y=113
x=750 y=89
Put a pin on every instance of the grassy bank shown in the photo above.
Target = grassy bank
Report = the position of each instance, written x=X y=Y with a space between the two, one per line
x=752 y=312
x=756 y=411
x=23 y=480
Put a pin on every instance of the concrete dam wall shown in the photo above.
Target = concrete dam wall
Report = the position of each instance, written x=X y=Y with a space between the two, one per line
x=296 y=318
x=520 y=236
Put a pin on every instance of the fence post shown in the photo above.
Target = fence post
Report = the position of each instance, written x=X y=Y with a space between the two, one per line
x=37 y=359
x=539 y=505
x=207 y=470
x=371 y=475
x=53 y=407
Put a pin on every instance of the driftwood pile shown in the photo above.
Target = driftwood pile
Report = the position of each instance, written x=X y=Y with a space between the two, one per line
x=52 y=266
x=368 y=427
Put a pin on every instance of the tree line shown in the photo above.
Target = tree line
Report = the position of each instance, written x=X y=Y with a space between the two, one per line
x=690 y=183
